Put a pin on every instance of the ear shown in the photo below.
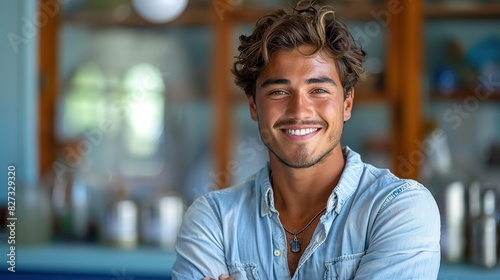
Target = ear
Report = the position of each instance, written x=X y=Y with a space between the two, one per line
x=348 y=102
x=252 y=106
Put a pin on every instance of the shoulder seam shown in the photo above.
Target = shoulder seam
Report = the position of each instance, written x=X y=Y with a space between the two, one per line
x=210 y=201
x=381 y=173
x=394 y=194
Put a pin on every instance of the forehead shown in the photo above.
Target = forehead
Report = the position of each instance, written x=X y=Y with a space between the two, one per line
x=297 y=64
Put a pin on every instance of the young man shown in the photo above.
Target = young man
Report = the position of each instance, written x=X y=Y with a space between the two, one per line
x=316 y=211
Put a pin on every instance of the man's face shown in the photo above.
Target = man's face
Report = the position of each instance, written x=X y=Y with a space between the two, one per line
x=300 y=107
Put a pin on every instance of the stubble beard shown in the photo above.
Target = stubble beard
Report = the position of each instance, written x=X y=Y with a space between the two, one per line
x=301 y=159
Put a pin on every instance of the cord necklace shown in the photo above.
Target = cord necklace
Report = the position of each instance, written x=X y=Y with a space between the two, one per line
x=295 y=243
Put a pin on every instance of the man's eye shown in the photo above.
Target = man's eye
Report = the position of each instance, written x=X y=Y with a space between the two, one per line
x=277 y=92
x=319 y=90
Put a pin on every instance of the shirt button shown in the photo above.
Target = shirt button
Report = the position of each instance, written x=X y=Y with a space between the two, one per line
x=277 y=253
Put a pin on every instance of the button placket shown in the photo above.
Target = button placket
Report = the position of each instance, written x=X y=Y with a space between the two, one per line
x=279 y=248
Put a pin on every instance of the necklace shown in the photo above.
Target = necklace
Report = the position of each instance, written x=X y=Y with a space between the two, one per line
x=295 y=243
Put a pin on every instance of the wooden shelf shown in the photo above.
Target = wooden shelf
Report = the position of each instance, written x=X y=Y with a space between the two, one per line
x=371 y=97
x=104 y=19
x=347 y=12
x=472 y=11
x=462 y=94
x=362 y=12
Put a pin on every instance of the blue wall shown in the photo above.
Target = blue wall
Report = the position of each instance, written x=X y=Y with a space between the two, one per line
x=18 y=92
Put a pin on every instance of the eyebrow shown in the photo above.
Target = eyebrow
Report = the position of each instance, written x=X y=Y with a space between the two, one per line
x=269 y=82
x=319 y=80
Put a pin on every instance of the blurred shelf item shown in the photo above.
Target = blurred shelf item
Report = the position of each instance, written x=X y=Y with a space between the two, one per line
x=466 y=11
x=462 y=12
x=462 y=66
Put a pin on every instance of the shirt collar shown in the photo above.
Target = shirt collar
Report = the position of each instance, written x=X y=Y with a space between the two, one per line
x=267 y=197
x=349 y=180
x=348 y=183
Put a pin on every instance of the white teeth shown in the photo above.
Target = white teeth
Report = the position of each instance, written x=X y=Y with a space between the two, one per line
x=301 y=131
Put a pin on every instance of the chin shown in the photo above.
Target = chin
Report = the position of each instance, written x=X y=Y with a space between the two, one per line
x=303 y=161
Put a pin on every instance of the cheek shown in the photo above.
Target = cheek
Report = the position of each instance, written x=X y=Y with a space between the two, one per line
x=331 y=110
x=268 y=113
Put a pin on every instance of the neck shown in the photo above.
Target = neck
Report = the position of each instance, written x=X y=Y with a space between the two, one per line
x=298 y=192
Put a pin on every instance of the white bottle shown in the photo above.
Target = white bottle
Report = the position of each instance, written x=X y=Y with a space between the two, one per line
x=120 y=223
x=485 y=233
x=453 y=231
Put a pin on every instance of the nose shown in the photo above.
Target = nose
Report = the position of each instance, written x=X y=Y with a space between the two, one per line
x=299 y=106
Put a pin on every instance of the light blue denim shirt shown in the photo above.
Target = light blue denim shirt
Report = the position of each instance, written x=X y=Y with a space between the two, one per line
x=376 y=226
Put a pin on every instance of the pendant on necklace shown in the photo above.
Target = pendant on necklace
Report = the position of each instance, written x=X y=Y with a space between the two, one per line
x=295 y=244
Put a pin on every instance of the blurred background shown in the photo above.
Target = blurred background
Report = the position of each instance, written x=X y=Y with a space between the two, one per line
x=117 y=114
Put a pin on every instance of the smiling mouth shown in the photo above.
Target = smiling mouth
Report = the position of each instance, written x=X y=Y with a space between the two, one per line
x=301 y=132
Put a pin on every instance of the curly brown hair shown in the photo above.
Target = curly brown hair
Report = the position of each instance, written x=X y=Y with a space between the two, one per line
x=283 y=30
